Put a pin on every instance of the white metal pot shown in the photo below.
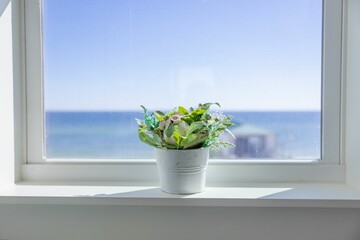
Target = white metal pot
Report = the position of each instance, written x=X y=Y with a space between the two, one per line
x=182 y=171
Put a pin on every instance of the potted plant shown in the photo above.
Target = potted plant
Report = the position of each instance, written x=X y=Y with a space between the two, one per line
x=182 y=139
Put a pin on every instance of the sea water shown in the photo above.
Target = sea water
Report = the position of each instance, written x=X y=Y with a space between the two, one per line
x=113 y=135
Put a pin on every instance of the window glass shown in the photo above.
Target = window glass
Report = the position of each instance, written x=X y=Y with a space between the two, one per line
x=260 y=59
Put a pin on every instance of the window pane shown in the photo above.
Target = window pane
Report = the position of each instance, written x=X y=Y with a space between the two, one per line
x=260 y=59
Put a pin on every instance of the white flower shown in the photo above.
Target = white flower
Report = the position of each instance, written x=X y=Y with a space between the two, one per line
x=180 y=127
x=162 y=125
x=175 y=118
x=169 y=140
x=183 y=128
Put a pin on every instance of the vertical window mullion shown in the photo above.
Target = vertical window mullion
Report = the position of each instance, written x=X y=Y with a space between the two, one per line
x=331 y=74
x=34 y=90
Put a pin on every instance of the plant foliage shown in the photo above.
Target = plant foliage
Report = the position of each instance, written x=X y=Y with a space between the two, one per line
x=185 y=129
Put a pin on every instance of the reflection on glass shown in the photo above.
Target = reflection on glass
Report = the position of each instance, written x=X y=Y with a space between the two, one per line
x=260 y=59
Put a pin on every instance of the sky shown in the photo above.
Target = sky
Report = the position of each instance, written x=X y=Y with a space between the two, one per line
x=248 y=55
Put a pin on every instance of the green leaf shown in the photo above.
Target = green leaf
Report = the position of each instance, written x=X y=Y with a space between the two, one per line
x=195 y=126
x=178 y=138
x=168 y=146
x=169 y=130
x=159 y=113
x=157 y=139
x=187 y=119
x=189 y=141
x=221 y=145
x=150 y=122
x=182 y=110
x=196 y=114
x=208 y=105
x=193 y=141
x=145 y=110
x=211 y=141
x=205 y=116
x=140 y=122
x=148 y=138
x=198 y=111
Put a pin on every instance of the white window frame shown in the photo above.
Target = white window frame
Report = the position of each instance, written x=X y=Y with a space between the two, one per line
x=220 y=172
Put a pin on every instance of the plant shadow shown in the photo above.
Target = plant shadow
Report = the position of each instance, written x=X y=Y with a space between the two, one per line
x=149 y=193
x=3 y=6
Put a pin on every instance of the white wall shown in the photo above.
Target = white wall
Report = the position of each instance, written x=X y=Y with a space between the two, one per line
x=176 y=223
x=353 y=94
x=6 y=93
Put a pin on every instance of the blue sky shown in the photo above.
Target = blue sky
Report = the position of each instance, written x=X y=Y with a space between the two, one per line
x=118 y=54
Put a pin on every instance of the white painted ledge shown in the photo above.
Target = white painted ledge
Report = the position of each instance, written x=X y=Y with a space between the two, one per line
x=318 y=195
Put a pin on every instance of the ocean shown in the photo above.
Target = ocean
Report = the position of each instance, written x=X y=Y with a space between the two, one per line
x=113 y=135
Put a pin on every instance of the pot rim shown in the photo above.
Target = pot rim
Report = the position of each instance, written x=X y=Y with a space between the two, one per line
x=181 y=150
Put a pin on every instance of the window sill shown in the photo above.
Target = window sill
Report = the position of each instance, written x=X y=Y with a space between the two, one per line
x=319 y=195
x=217 y=172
